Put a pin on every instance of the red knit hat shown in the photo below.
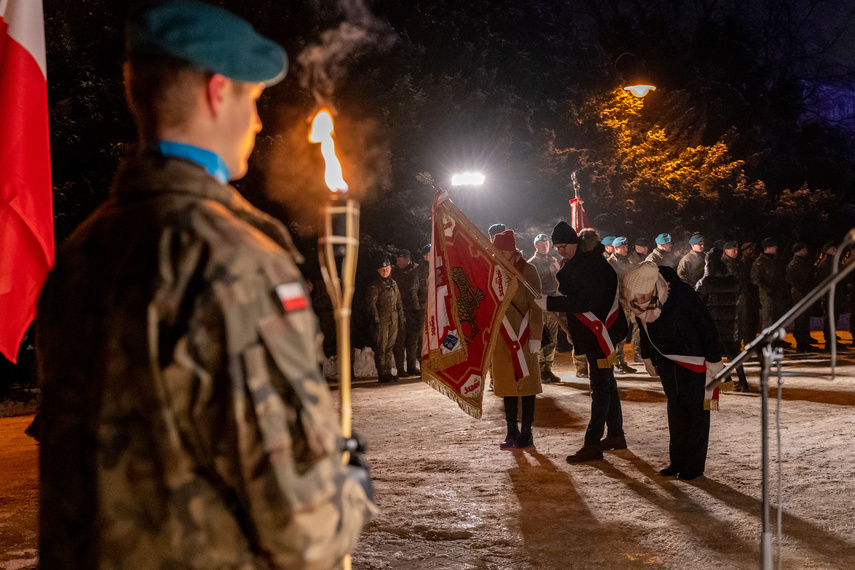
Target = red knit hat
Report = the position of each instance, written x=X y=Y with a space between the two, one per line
x=505 y=241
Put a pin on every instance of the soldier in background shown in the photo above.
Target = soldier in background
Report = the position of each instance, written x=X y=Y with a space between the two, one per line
x=387 y=317
x=662 y=254
x=767 y=275
x=691 y=267
x=799 y=276
x=824 y=267
x=608 y=244
x=547 y=267
x=407 y=351
x=422 y=276
x=186 y=422
x=495 y=229
x=642 y=247
x=622 y=263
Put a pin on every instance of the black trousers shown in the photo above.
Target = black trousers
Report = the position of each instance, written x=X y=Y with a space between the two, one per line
x=689 y=428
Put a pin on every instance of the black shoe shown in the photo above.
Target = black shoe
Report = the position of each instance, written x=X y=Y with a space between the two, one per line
x=669 y=471
x=625 y=369
x=742 y=387
x=587 y=453
x=613 y=442
x=510 y=442
x=524 y=441
x=581 y=375
x=386 y=379
x=689 y=475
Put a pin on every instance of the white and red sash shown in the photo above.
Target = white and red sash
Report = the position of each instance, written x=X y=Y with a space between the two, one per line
x=515 y=343
x=600 y=329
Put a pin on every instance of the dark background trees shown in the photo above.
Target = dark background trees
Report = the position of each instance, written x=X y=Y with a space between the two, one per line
x=734 y=141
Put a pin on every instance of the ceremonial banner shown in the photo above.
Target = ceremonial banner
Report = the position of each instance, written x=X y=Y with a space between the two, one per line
x=578 y=217
x=26 y=202
x=469 y=289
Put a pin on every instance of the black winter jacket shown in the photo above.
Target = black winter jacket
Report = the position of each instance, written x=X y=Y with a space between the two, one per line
x=588 y=283
x=684 y=328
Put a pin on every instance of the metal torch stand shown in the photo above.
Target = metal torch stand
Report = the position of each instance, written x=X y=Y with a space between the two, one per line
x=771 y=354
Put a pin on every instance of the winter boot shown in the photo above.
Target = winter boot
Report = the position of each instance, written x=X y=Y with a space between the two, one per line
x=511 y=439
x=547 y=376
x=589 y=452
x=613 y=442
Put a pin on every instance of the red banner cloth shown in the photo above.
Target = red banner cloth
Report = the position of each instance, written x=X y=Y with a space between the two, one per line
x=578 y=217
x=469 y=291
x=26 y=201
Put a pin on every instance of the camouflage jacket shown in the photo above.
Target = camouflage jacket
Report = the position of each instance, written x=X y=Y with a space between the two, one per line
x=621 y=264
x=187 y=423
x=799 y=276
x=408 y=285
x=766 y=274
x=384 y=301
x=422 y=276
x=662 y=257
x=691 y=268
x=547 y=269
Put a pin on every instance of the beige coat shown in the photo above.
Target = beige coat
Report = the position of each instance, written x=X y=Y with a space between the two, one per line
x=505 y=382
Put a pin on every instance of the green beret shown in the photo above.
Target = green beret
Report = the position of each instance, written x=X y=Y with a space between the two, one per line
x=207 y=37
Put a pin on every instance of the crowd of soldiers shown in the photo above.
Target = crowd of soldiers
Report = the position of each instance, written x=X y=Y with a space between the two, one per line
x=765 y=284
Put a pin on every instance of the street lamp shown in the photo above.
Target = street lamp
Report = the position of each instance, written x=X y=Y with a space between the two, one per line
x=634 y=76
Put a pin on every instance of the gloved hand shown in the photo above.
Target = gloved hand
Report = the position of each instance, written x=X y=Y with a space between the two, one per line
x=651 y=370
x=714 y=368
x=533 y=345
x=541 y=302
x=358 y=468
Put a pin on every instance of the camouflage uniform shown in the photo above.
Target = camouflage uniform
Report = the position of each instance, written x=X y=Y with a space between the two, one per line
x=408 y=338
x=189 y=426
x=766 y=274
x=799 y=276
x=691 y=268
x=547 y=268
x=622 y=264
x=662 y=257
x=387 y=314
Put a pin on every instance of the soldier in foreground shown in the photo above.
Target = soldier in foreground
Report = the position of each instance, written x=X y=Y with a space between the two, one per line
x=186 y=422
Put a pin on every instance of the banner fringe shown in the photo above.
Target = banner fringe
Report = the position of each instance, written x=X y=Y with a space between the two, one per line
x=442 y=388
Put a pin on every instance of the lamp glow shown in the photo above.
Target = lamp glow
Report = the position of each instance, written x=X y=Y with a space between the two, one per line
x=467 y=179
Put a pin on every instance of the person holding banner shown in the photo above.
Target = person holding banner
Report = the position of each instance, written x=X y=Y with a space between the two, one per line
x=516 y=371
x=590 y=298
x=680 y=345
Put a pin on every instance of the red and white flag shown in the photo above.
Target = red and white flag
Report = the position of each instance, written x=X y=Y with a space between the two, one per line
x=578 y=217
x=469 y=290
x=26 y=201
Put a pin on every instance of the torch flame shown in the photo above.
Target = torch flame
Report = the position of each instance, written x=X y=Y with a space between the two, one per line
x=321 y=132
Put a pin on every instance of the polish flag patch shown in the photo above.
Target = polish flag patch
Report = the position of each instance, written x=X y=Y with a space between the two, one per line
x=293 y=296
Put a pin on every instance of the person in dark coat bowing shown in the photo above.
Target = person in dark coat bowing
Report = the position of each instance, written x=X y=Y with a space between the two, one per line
x=679 y=343
x=597 y=324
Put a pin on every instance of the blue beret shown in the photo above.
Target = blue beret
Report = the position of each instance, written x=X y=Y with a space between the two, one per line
x=732 y=244
x=426 y=249
x=384 y=262
x=619 y=241
x=541 y=237
x=696 y=239
x=207 y=37
x=608 y=240
x=662 y=239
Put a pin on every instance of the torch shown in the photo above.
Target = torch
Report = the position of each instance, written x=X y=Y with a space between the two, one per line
x=339 y=240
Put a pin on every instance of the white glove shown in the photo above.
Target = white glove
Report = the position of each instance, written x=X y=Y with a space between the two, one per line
x=714 y=368
x=541 y=302
x=651 y=370
x=533 y=345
